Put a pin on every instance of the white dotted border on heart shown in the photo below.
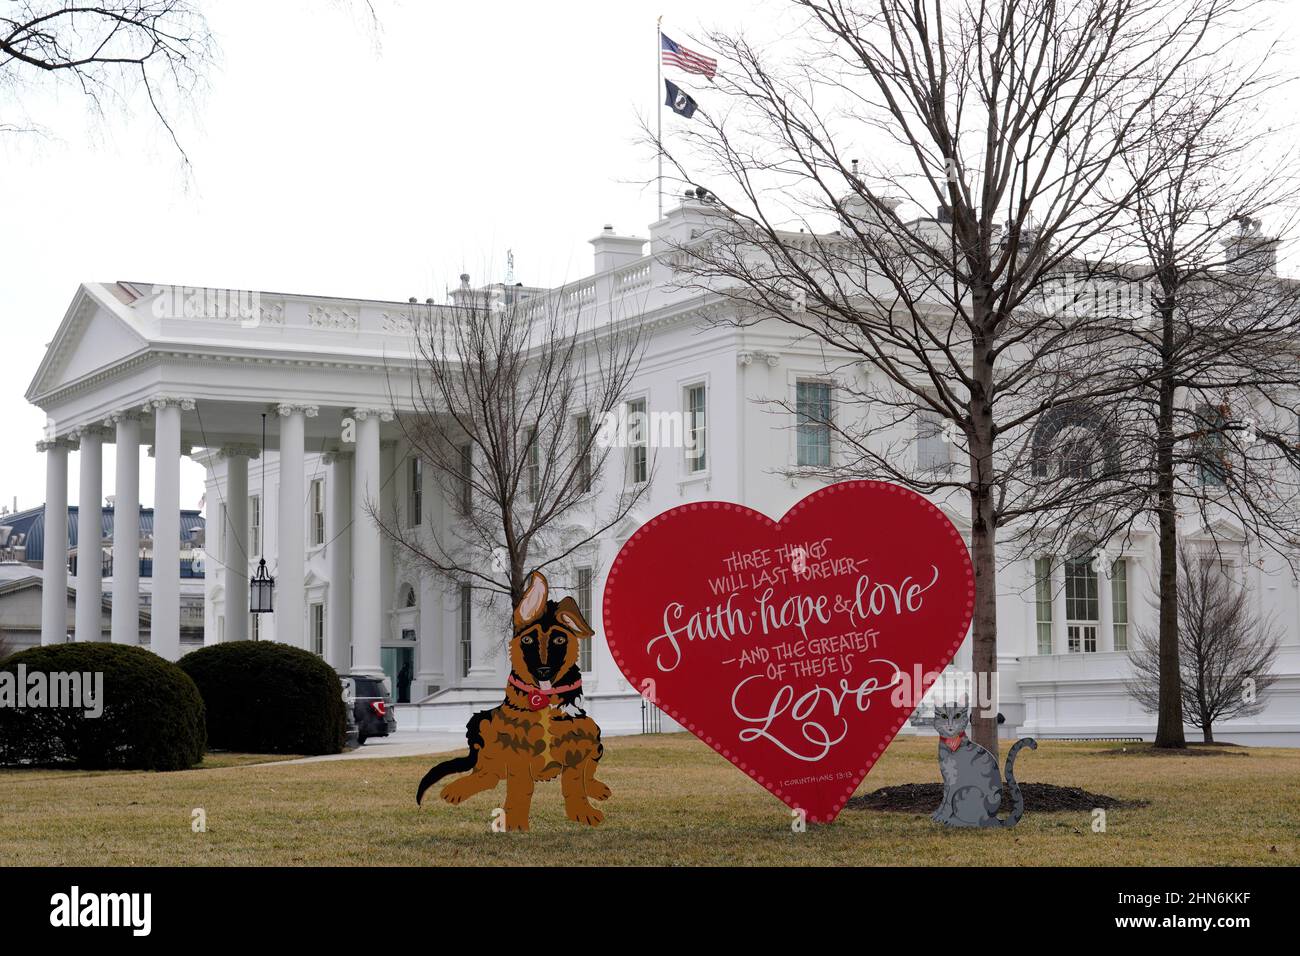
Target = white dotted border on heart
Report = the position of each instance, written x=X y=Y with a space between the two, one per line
x=686 y=509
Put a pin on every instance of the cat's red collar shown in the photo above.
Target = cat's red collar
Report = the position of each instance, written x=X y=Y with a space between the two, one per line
x=952 y=743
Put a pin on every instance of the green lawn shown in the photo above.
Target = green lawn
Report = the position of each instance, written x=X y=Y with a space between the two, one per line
x=675 y=802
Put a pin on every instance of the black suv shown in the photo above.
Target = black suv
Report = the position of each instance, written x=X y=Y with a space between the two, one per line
x=371 y=706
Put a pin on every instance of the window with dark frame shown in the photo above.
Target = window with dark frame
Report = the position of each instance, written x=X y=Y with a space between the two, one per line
x=583 y=598
x=813 y=423
x=697 y=459
x=466 y=625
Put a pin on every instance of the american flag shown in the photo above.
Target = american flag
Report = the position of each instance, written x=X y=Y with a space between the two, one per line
x=674 y=54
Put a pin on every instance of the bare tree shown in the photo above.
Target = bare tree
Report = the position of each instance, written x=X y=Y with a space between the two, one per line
x=107 y=50
x=509 y=399
x=1206 y=390
x=1009 y=117
x=1226 y=649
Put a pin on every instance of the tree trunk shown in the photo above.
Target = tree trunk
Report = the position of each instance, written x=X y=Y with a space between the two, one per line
x=1169 y=720
x=984 y=625
x=1207 y=733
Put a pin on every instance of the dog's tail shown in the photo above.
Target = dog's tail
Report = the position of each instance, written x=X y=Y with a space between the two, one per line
x=447 y=767
x=1017 y=798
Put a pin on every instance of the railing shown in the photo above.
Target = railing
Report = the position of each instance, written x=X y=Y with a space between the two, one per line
x=651 y=718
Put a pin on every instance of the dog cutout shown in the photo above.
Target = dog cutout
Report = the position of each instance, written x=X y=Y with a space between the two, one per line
x=540 y=731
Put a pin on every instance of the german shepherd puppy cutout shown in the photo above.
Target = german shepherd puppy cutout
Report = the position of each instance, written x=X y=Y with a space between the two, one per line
x=540 y=731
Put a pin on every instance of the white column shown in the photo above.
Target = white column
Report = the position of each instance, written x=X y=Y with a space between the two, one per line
x=367 y=606
x=1105 y=609
x=291 y=544
x=126 y=530
x=237 y=559
x=1060 y=641
x=432 y=634
x=338 y=533
x=90 y=530
x=165 y=613
x=54 y=568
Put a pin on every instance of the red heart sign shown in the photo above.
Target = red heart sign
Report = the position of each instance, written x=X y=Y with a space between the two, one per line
x=795 y=648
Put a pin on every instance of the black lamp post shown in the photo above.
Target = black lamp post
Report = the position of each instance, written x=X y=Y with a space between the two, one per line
x=261 y=587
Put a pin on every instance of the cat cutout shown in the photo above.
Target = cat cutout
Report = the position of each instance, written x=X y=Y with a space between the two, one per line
x=972 y=788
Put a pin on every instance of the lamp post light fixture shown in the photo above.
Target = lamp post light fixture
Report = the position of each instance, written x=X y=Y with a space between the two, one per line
x=261 y=586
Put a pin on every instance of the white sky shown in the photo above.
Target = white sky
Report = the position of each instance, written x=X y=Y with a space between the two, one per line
x=333 y=160
x=328 y=159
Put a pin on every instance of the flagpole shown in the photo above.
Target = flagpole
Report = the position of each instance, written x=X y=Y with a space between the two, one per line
x=659 y=99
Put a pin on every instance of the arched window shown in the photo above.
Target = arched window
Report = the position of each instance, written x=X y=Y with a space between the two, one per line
x=1073 y=441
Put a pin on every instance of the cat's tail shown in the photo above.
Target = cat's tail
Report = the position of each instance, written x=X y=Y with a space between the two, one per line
x=1018 y=800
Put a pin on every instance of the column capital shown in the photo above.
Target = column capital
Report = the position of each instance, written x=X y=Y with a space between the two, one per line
x=361 y=414
x=163 y=401
x=66 y=443
x=123 y=415
x=90 y=431
x=288 y=408
x=238 y=450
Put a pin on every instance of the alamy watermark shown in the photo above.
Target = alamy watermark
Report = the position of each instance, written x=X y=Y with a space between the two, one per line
x=620 y=428
x=73 y=690
x=196 y=302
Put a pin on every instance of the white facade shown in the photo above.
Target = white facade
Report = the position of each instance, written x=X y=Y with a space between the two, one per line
x=316 y=367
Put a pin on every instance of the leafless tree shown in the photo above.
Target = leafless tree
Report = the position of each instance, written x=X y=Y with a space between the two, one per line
x=1009 y=118
x=108 y=50
x=1206 y=385
x=1226 y=649
x=509 y=398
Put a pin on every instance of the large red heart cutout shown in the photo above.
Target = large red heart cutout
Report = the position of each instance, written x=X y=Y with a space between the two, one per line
x=795 y=648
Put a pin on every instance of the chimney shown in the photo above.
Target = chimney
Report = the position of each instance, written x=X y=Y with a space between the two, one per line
x=613 y=251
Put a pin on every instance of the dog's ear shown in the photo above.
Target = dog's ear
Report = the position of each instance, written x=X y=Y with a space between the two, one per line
x=533 y=604
x=568 y=614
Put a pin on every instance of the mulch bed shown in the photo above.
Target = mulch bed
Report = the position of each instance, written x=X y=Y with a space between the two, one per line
x=1039 y=798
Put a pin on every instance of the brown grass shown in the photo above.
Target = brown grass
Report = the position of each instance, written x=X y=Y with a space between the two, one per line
x=675 y=802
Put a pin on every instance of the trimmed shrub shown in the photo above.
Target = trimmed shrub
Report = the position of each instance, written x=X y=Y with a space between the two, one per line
x=263 y=697
x=151 y=718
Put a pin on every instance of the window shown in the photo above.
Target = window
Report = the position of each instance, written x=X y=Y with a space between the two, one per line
x=317 y=617
x=466 y=623
x=254 y=525
x=584 y=605
x=415 y=491
x=317 y=512
x=638 y=442
x=582 y=427
x=1081 y=605
x=933 y=452
x=534 y=471
x=1043 y=603
x=1119 y=602
x=813 y=423
x=1213 y=462
x=697 y=459
x=466 y=497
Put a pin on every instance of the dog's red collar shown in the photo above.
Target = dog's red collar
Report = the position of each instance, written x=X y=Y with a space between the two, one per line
x=539 y=698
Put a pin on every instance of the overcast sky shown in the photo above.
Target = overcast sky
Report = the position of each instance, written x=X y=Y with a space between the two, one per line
x=333 y=159
x=330 y=159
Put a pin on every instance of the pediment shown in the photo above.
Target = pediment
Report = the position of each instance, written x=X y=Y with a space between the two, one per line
x=92 y=337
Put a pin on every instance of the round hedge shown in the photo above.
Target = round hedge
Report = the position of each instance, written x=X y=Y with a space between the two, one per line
x=152 y=716
x=263 y=697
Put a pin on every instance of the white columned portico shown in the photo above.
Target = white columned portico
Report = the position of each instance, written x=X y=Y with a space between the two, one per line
x=367 y=607
x=235 y=543
x=126 y=530
x=290 y=611
x=165 y=614
x=54 y=571
x=90 y=532
x=338 y=624
x=1060 y=638
x=1105 y=609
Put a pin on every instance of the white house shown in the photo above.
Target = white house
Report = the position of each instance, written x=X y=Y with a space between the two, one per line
x=194 y=371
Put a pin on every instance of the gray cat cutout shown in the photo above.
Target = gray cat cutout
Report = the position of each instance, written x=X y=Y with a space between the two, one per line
x=972 y=787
